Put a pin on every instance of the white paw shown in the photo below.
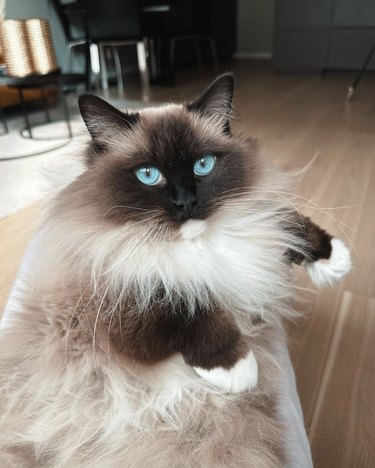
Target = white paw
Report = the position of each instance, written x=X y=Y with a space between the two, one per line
x=331 y=270
x=243 y=376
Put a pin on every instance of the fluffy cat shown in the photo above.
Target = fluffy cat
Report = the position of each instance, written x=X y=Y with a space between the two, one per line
x=145 y=329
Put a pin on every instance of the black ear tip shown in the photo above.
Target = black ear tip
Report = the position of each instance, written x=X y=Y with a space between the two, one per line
x=82 y=98
x=224 y=84
x=88 y=99
x=226 y=78
x=229 y=75
x=85 y=100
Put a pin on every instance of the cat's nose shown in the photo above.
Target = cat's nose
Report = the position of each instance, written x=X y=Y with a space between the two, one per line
x=186 y=204
x=184 y=200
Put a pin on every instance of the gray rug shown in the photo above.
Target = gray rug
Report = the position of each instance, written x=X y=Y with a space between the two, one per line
x=24 y=180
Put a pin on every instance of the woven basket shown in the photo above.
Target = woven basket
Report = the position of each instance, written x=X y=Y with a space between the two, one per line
x=16 y=49
x=41 y=46
x=28 y=47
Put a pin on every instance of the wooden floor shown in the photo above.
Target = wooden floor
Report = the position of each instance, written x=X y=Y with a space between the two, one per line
x=297 y=118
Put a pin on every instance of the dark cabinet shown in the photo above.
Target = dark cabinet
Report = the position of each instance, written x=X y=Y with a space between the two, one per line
x=354 y=13
x=303 y=14
x=349 y=48
x=301 y=49
x=323 y=34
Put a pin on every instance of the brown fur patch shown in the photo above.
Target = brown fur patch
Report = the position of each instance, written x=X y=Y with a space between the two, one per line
x=317 y=241
x=240 y=431
x=208 y=339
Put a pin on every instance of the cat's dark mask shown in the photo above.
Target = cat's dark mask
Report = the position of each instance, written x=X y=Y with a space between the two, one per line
x=176 y=161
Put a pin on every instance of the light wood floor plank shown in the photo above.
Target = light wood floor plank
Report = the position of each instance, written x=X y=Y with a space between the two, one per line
x=362 y=281
x=15 y=233
x=342 y=430
x=296 y=118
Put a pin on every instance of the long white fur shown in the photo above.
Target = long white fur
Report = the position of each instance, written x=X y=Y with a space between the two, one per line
x=241 y=262
x=193 y=228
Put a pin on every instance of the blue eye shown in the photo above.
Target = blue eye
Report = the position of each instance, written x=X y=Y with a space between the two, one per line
x=204 y=165
x=149 y=175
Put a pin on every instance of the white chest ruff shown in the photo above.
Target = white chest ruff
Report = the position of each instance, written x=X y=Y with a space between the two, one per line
x=243 y=267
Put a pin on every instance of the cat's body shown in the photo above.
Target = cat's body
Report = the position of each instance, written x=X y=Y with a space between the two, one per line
x=150 y=311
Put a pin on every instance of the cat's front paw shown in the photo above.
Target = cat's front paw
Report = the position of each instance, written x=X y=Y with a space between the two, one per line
x=332 y=270
x=242 y=377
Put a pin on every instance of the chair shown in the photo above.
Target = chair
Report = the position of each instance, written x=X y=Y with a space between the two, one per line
x=171 y=21
x=113 y=24
x=106 y=24
x=67 y=12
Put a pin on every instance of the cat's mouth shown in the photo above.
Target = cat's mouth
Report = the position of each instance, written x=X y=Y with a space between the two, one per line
x=193 y=228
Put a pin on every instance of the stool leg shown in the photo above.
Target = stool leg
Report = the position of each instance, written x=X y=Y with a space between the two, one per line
x=87 y=64
x=152 y=56
x=159 y=65
x=142 y=66
x=116 y=58
x=95 y=64
x=214 y=53
x=70 y=54
x=172 y=50
x=103 y=68
x=198 y=52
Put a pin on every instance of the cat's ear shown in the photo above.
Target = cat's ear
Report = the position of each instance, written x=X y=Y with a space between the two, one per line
x=217 y=100
x=103 y=120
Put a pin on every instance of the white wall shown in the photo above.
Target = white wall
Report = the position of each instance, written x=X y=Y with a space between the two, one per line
x=255 y=28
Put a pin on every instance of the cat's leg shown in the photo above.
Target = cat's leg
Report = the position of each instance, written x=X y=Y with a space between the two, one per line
x=327 y=259
x=209 y=341
x=217 y=351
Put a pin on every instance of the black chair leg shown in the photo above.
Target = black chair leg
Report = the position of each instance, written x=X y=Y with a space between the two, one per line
x=4 y=120
x=172 y=72
x=87 y=53
x=25 y=112
x=66 y=111
x=46 y=105
x=361 y=72
x=214 y=54
x=88 y=66
x=198 y=52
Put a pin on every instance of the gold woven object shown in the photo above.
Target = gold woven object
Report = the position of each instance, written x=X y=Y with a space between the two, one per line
x=41 y=46
x=15 y=46
x=28 y=47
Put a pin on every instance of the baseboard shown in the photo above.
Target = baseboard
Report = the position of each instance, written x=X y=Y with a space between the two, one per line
x=253 y=55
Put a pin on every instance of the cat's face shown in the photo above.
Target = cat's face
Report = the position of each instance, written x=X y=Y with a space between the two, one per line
x=170 y=164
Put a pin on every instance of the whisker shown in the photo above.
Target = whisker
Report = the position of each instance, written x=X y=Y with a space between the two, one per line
x=129 y=207
x=280 y=193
